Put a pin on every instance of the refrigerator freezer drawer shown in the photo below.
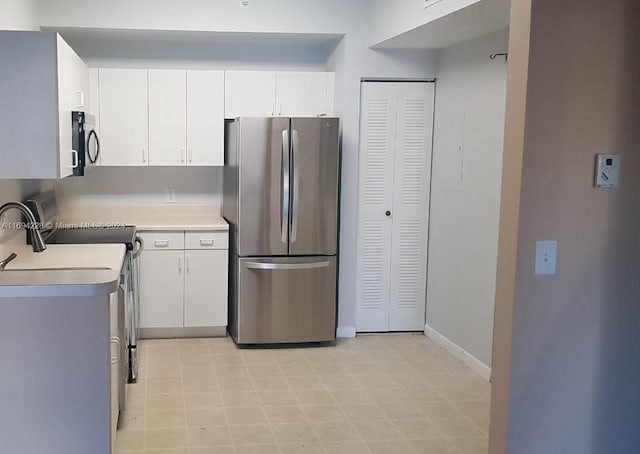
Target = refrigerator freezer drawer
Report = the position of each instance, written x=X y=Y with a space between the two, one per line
x=286 y=300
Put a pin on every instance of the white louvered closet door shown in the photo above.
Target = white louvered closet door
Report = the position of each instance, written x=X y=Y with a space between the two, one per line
x=393 y=207
x=410 y=217
x=377 y=143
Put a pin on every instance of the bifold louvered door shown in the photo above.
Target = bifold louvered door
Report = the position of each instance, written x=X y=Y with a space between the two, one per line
x=396 y=131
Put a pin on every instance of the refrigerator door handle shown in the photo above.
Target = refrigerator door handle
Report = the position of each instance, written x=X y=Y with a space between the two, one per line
x=284 y=187
x=287 y=266
x=295 y=199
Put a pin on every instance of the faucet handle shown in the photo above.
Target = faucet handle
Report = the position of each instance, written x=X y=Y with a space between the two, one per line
x=5 y=262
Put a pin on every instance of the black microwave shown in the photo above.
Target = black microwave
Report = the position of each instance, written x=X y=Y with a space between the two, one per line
x=84 y=141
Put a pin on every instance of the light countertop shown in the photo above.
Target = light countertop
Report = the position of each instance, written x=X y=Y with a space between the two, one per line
x=149 y=218
x=95 y=268
x=91 y=269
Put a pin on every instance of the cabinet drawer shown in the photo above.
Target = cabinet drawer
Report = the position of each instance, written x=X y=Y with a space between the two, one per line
x=206 y=240
x=163 y=240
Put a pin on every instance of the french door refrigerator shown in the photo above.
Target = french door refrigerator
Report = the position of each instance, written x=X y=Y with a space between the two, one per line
x=281 y=202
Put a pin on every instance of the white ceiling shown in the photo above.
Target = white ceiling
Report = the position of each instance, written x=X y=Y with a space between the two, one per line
x=477 y=20
x=95 y=43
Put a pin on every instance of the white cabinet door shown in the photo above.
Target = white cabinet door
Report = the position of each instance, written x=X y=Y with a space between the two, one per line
x=115 y=366
x=205 y=118
x=205 y=302
x=393 y=211
x=377 y=143
x=73 y=88
x=94 y=106
x=167 y=117
x=124 y=119
x=250 y=93
x=304 y=94
x=412 y=182
x=162 y=289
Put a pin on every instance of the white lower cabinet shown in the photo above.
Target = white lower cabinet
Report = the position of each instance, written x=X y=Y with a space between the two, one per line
x=205 y=291
x=183 y=288
x=161 y=289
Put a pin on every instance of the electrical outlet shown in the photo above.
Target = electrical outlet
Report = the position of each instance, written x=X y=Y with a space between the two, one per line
x=171 y=195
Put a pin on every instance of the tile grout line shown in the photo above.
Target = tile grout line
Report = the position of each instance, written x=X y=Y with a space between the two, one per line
x=184 y=397
x=360 y=439
x=444 y=399
x=146 y=377
x=295 y=395
x=224 y=409
x=264 y=413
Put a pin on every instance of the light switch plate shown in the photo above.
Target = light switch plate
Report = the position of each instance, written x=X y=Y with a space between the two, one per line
x=607 y=171
x=546 y=257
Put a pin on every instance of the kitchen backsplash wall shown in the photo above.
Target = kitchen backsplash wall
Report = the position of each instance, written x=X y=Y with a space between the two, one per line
x=20 y=190
x=143 y=186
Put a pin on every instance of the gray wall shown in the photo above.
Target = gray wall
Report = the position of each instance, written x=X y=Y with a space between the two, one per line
x=18 y=15
x=575 y=367
x=465 y=193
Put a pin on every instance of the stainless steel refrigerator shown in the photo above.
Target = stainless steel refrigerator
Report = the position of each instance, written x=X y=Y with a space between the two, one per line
x=281 y=190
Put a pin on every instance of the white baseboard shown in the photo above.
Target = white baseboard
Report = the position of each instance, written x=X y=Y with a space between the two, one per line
x=344 y=332
x=170 y=333
x=474 y=363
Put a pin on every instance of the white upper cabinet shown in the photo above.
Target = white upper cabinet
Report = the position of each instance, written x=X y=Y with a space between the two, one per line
x=250 y=94
x=73 y=94
x=304 y=94
x=167 y=117
x=205 y=118
x=124 y=119
x=94 y=106
x=161 y=117
x=286 y=94
x=175 y=117
x=37 y=96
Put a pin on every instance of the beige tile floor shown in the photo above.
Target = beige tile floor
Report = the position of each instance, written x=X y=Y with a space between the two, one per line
x=387 y=394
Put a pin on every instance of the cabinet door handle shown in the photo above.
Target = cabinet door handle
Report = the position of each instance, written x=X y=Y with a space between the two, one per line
x=280 y=109
x=190 y=155
x=182 y=154
x=80 y=94
x=144 y=157
x=188 y=263
x=74 y=159
x=116 y=359
x=179 y=264
x=161 y=243
x=206 y=242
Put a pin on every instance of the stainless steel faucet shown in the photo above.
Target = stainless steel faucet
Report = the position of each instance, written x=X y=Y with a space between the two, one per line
x=5 y=262
x=36 y=239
